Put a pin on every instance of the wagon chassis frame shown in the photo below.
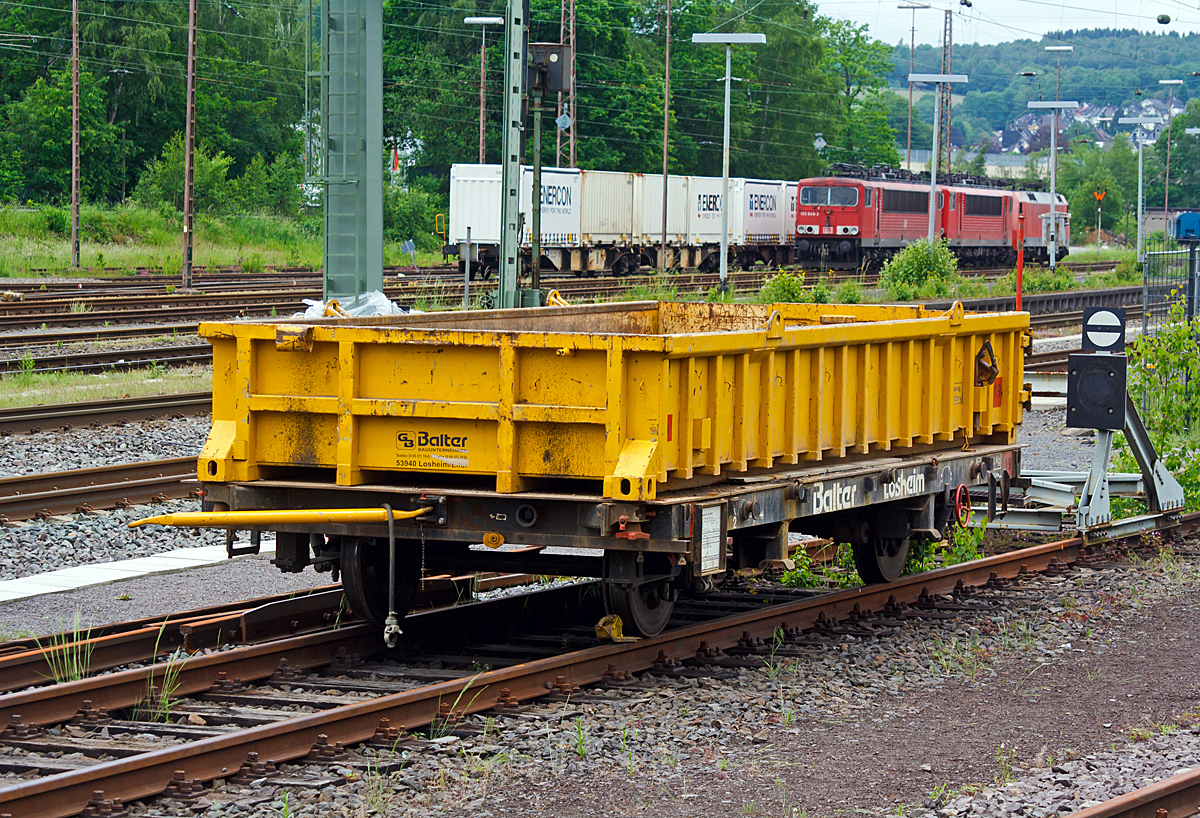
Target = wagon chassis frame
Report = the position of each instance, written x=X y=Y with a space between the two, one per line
x=692 y=530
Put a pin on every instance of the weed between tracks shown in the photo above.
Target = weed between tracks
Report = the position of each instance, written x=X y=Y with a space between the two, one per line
x=160 y=698
x=68 y=654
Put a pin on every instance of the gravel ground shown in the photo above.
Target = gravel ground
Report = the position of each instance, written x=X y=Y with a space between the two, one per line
x=91 y=448
x=1051 y=446
x=152 y=595
x=1077 y=689
x=104 y=536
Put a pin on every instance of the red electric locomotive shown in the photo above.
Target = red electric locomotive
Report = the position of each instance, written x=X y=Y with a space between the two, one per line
x=852 y=223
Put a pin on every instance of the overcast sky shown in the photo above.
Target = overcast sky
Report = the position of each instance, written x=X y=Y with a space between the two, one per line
x=997 y=21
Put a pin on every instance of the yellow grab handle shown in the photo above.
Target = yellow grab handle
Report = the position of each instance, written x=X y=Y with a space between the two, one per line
x=237 y=519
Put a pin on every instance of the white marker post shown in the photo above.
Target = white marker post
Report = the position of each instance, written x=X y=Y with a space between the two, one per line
x=1056 y=106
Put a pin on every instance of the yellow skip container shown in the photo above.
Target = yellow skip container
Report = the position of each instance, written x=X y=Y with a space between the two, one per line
x=641 y=397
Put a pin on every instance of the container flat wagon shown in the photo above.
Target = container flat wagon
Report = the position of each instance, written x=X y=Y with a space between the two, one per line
x=607 y=222
x=673 y=443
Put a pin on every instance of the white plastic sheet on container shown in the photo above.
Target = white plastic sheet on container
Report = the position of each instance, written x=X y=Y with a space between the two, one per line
x=366 y=304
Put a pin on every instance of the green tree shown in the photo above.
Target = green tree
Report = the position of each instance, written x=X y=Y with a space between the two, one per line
x=858 y=67
x=162 y=183
x=1083 y=205
x=37 y=140
x=1185 y=154
x=858 y=63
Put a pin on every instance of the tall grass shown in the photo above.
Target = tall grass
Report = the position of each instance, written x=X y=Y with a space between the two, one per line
x=129 y=237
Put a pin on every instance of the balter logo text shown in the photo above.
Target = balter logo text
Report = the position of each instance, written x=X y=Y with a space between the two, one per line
x=424 y=440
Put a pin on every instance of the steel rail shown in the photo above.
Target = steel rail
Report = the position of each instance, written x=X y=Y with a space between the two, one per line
x=24 y=663
x=1174 y=797
x=68 y=793
x=79 y=490
x=24 y=340
x=103 y=412
x=112 y=360
x=232 y=275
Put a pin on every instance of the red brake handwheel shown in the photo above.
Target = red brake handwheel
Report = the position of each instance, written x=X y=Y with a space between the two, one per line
x=962 y=505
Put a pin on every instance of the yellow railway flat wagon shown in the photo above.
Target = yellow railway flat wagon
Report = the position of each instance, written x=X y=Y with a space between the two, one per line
x=640 y=398
x=676 y=443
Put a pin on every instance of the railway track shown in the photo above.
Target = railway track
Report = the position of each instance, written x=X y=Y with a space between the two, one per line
x=72 y=308
x=29 y=662
x=27 y=419
x=240 y=714
x=197 y=354
x=36 y=338
x=1173 y=797
x=27 y=497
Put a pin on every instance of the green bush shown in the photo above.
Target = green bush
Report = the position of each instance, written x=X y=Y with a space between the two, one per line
x=410 y=214
x=849 y=292
x=1164 y=383
x=917 y=268
x=1035 y=280
x=55 y=220
x=785 y=288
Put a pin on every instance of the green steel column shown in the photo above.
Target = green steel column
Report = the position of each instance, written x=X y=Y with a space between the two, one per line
x=352 y=143
x=510 y=158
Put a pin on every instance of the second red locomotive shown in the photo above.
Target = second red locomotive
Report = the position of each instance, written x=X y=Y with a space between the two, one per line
x=860 y=222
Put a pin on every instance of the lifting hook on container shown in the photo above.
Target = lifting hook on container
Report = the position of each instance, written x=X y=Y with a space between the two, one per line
x=986 y=369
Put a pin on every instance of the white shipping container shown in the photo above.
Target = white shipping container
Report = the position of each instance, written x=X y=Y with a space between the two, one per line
x=704 y=210
x=561 y=204
x=652 y=209
x=475 y=194
x=474 y=202
x=610 y=215
x=764 y=211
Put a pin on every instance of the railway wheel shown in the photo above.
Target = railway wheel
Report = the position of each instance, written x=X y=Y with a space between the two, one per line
x=881 y=559
x=644 y=604
x=364 y=565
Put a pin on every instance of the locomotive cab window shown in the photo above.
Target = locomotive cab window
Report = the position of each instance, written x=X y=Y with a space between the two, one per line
x=941 y=200
x=868 y=197
x=953 y=201
x=833 y=196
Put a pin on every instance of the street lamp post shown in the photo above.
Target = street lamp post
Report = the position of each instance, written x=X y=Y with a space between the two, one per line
x=1139 y=120
x=912 y=44
x=1059 y=50
x=938 y=80
x=1056 y=106
x=1167 y=186
x=728 y=40
x=483 y=23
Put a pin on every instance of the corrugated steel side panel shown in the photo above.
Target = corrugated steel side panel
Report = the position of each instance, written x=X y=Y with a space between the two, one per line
x=652 y=207
x=638 y=396
x=608 y=210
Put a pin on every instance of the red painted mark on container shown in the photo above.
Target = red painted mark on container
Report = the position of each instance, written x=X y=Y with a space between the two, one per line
x=670 y=423
x=998 y=393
